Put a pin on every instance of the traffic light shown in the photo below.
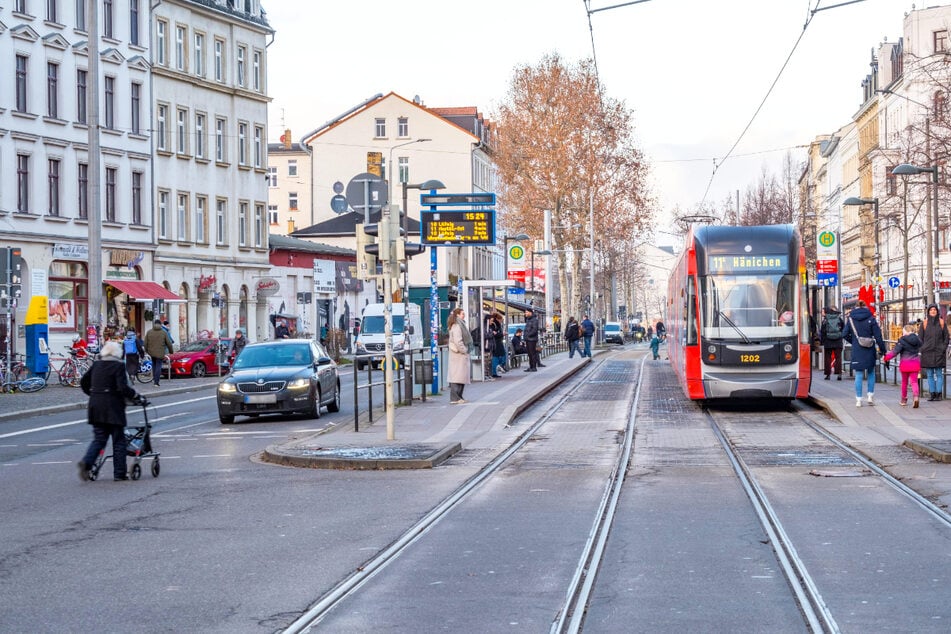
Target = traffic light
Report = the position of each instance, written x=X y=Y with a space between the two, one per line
x=11 y=266
x=404 y=249
x=366 y=258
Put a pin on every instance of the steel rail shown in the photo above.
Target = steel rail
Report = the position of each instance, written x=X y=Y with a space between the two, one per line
x=579 y=590
x=815 y=612
x=366 y=571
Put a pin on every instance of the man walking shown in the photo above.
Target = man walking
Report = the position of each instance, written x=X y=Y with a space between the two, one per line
x=830 y=337
x=587 y=331
x=158 y=344
x=572 y=336
x=531 y=339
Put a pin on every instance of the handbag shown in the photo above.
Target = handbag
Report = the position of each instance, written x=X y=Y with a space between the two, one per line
x=865 y=342
x=910 y=364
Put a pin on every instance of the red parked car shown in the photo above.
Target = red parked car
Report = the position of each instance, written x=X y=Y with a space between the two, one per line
x=198 y=358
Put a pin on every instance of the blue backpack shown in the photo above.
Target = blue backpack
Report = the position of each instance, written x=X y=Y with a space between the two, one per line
x=130 y=345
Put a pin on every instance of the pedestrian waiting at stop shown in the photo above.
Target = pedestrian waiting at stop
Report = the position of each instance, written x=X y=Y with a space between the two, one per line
x=460 y=347
x=908 y=350
x=865 y=335
x=934 y=346
x=830 y=338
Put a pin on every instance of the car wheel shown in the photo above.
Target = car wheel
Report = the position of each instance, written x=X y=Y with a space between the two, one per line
x=314 y=411
x=199 y=370
x=225 y=420
x=334 y=405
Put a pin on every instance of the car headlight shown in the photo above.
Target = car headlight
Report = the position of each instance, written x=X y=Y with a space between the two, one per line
x=298 y=383
x=227 y=388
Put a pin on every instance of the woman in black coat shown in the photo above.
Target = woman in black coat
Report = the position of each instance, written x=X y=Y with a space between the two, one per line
x=861 y=323
x=934 y=350
x=108 y=388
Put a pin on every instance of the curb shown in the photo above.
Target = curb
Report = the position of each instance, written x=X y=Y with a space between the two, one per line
x=938 y=450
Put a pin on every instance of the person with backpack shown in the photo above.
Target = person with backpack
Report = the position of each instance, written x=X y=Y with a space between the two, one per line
x=133 y=348
x=830 y=337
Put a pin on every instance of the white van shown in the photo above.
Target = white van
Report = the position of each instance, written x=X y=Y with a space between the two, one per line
x=371 y=342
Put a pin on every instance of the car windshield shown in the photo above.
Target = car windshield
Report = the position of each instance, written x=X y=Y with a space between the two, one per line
x=376 y=324
x=196 y=346
x=275 y=355
x=612 y=327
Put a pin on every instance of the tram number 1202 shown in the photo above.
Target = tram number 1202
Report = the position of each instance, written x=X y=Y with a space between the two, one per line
x=749 y=358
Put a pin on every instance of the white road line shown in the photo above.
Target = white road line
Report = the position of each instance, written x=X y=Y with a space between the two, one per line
x=220 y=455
x=55 y=462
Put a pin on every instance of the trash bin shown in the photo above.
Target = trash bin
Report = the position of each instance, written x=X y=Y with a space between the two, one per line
x=423 y=371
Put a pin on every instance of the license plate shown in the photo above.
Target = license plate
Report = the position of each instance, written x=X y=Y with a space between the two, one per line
x=260 y=398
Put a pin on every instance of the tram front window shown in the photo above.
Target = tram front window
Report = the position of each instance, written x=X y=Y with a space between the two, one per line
x=740 y=306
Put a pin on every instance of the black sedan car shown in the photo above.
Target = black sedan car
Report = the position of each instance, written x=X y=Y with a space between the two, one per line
x=279 y=377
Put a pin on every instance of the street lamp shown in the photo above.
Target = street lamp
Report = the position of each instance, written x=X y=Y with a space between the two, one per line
x=906 y=169
x=518 y=237
x=389 y=164
x=429 y=185
x=855 y=201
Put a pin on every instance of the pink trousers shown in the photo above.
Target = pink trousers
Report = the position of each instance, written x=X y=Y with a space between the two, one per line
x=906 y=378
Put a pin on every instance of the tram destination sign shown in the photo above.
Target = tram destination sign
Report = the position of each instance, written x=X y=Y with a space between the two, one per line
x=727 y=264
x=460 y=227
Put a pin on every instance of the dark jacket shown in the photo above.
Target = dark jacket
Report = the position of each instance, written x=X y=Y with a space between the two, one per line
x=497 y=338
x=864 y=326
x=108 y=388
x=587 y=327
x=572 y=332
x=518 y=346
x=908 y=347
x=530 y=332
x=835 y=344
x=158 y=343
x=237 y=345
x=934 y=341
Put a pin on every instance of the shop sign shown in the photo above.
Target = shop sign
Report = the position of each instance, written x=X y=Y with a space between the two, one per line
x=70 y=252
x=325 y=272
x=267 y=287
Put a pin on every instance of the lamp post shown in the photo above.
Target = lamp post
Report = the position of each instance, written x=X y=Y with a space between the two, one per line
x=518 y=237
x=854 y=201
x=906 y=169
x=389 y=164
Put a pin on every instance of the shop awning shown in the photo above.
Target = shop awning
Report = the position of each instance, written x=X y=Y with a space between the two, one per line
x=143 y=291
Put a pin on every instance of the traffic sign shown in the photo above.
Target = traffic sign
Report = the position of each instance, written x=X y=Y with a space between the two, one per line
x=338 y=204
x=516 y=252
x=894 y=282
x=366 y=192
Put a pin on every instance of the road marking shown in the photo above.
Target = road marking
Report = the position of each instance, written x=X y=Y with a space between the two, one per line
x=220 y=455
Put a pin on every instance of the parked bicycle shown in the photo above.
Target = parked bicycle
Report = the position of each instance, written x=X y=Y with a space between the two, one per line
x=71 y=370
x=144 y=375
x=10 y=383
x=18 y=369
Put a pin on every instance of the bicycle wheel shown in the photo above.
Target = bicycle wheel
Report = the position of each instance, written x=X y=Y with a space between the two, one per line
x=19 y=371
x=144 y=375
x=32 y=384
x=71 y=376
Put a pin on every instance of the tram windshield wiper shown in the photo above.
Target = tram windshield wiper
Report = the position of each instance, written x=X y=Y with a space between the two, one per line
x=734 y=326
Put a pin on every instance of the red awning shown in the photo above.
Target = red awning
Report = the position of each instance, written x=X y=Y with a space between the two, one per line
x=144 y=291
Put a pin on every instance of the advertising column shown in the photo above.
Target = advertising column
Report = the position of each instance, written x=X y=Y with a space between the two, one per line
x=37 y=324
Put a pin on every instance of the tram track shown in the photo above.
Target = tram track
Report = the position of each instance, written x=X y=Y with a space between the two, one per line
x=815 y=610
x=569 y=617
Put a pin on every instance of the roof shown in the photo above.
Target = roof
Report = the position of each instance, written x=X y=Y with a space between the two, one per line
x=289 y=243
x=346 y=225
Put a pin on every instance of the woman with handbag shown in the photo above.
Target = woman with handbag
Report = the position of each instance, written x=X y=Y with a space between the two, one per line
x=864 y=333
x=909 y=362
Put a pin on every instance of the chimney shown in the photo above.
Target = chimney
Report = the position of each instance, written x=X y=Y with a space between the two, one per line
x=287 y=138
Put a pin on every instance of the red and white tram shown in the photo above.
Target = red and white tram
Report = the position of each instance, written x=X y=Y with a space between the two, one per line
x=737 y=316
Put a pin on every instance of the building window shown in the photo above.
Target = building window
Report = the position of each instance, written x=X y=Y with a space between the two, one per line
x=242 y=224
x=220 y=221
x=53 y=188
x=242 y=55
x=134 y=22
x=161 y=127
x=23 y=183
x=292 y=201
x=380 y=128
x=292 y=168
x=80 y=15
x=403 y=169
x=180 y=48
x=259 y=225
x=83 y=202
x=272 y=216
x=19 y=6
x=219 y=60
x=52 y=90
x=272 y=177
x=81 y=96
x=111 y=194
x=181 y=128
x=940 y=41
x=182 y=217
x=51 y=10
x=21 y=83
x=402 y=127
x=258 y=146
x=201 y=210
x=136 y=99
x=163 y=215
x=200 y=54
x=256 y=71
x=107 y=23
x=109 y=110
x=242 y=143
x=200 y=135
x=137 y=198
x=220 y=140
x=161 y=43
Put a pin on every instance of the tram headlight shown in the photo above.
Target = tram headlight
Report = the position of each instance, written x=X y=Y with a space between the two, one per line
x=787 y=347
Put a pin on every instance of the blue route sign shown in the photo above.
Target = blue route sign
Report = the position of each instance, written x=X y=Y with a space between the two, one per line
x=894 y=282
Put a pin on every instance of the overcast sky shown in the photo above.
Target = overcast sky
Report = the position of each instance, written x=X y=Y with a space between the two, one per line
x=693 y=71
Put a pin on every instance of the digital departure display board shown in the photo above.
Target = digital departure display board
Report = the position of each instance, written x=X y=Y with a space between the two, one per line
x=458 y=227
x=748 y=263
